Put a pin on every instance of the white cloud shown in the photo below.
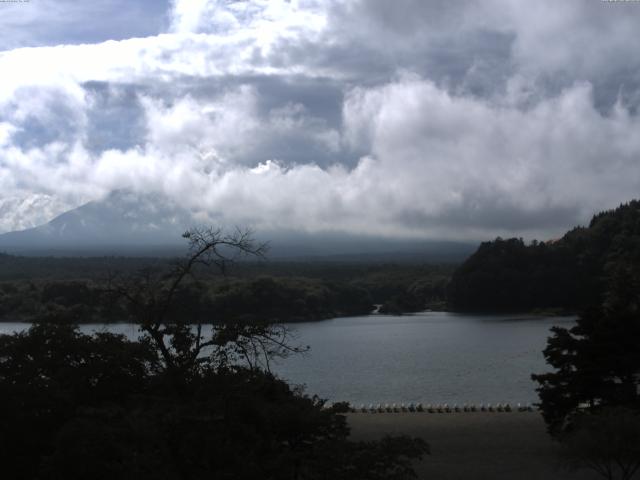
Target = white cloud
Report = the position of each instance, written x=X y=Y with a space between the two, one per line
x=20 y=212
x=226 y=123
x=399 y=150
x=6 y=130
x=187 y=16
x=266 y=21
x=461 y=152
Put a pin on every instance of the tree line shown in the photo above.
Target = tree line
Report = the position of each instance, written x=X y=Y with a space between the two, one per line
x=277 y=292
x=568 y=274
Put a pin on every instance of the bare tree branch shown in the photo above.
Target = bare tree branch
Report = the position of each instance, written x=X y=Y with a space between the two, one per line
x=152 y=297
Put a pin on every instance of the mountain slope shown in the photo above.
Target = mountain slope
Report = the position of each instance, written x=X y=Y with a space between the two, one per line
x=125 y=223
x=122 y=219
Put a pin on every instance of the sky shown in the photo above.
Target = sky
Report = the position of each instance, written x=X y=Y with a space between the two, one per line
x=435 y=119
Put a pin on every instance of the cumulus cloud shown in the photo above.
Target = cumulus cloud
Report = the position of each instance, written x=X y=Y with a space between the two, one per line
x=413 y=119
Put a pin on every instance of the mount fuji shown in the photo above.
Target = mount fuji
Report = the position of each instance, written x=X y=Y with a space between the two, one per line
x=130 y=224
x=122 y=222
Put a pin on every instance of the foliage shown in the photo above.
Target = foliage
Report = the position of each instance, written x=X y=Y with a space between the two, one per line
x=77 y=407
x=569 y=274
x=15 y=268
x=403 y=289
x=596 y=362
x=288 y=299
x=607 y=442
x=510 y=275
x=269 y=291
x=51 y=371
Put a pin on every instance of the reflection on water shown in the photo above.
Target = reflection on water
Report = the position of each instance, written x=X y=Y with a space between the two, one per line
x=430 y=357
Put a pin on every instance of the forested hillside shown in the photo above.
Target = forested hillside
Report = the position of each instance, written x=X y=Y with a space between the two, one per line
x=567 y=274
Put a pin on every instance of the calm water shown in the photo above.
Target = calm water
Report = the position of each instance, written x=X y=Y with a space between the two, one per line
x=429 y=357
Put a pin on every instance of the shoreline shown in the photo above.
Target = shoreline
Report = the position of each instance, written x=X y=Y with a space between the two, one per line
x=525 y=315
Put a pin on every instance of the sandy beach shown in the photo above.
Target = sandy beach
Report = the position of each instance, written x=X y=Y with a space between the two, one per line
x=481 y=445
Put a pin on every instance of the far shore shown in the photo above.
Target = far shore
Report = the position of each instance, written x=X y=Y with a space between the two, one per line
x=478 y=446
x=522 y=315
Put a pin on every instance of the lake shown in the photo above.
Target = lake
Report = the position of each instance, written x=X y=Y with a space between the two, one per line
x=431 y=357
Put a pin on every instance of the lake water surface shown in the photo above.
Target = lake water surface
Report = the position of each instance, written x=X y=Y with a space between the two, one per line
x=431 y=357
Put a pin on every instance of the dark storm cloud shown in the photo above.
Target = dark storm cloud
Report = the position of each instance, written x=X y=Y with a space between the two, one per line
x=505 y=218
x=60 y=126
x=115 y=117
x=369 y=41
x=480 y=45
x=37 y=126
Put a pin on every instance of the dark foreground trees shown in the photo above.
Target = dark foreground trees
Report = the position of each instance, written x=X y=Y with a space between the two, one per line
x=597 y=362
x=607 y=442
x=184 y=402
x=74 y=406
x=591 y=402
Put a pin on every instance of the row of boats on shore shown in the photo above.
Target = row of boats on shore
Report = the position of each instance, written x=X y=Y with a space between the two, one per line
x=441 y=408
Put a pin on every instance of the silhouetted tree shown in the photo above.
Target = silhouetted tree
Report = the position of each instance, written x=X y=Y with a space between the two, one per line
x=597 y=362
x=607 y=442
x=49 y=374
x=160 y=303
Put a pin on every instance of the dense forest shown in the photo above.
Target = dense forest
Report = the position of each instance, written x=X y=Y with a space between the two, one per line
x=568 y=274
x=75 y=290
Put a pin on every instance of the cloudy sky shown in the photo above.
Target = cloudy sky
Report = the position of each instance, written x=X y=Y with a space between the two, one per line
x=411 y=118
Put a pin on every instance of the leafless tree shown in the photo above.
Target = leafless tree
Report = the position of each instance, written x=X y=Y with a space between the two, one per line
x=152 y=299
